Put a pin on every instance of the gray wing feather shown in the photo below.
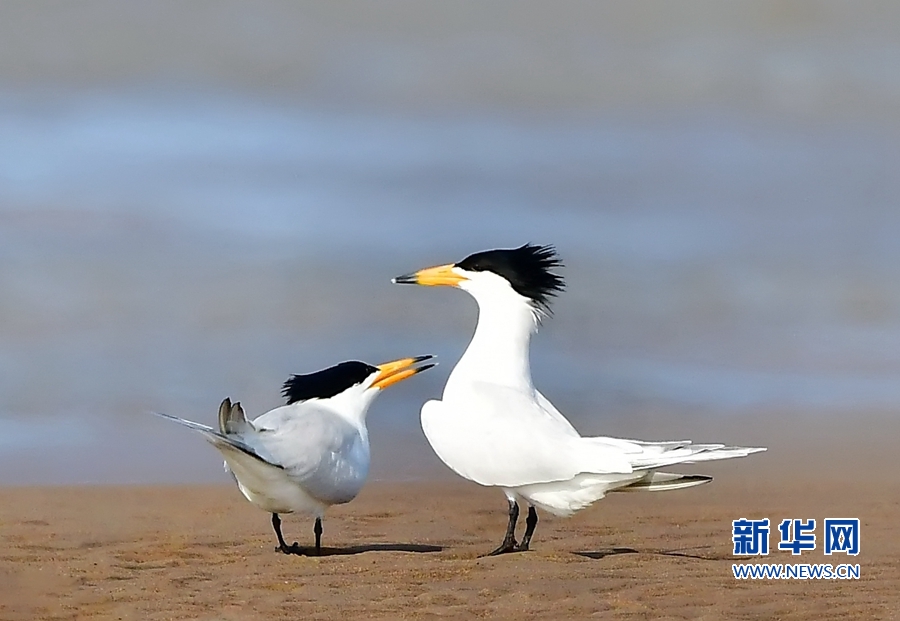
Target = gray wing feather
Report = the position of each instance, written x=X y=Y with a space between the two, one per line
x=219 y=440
x=316 y=448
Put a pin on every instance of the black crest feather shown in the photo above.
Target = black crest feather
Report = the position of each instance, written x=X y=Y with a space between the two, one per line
x=326 y=383
x=527 y=268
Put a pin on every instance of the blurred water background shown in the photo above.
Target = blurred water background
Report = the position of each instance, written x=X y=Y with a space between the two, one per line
x=198 y=199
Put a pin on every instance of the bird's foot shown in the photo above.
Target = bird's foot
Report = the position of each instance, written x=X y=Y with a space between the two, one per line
x=508 y=545
x=522 y=547
x=290 y=549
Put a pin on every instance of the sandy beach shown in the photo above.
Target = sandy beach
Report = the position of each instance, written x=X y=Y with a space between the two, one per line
x=411 y=550
x=198 y=200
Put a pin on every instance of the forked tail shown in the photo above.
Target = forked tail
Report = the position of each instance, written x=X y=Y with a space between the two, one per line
x=658 y=455
x=232 y=418
x=664 y=481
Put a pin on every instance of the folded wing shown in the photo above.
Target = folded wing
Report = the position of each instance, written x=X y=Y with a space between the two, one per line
x=500 y=436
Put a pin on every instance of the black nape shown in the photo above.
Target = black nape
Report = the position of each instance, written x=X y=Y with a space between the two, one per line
x=326 y=383
x=527 y=269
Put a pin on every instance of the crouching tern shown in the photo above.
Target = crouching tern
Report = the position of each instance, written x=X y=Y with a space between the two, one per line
x=311 y=453
x=493 y=427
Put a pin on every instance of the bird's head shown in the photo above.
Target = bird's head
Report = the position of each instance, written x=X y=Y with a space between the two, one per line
x=498 y=276
x=351 y=386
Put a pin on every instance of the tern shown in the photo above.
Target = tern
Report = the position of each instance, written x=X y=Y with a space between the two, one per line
x=493 y=427
x=311 y=453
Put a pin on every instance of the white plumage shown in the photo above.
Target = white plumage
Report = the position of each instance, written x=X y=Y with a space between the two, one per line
x=493 y=427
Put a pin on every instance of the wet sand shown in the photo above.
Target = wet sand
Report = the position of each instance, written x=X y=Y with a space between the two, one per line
x=411 y=550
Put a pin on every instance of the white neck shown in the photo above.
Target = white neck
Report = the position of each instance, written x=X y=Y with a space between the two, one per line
x=352 y=405
x=499 y=351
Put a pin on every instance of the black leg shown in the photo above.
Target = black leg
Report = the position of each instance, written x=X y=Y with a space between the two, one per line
x=317 y=529
x=276 y=524
x=509 y=541
x=530 y=522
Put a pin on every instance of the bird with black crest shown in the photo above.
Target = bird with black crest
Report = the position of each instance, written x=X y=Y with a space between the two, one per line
x=311 y=453
x=493 y=427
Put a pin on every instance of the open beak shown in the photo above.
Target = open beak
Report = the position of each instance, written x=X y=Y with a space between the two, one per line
x=442 y=275
x=398 y=370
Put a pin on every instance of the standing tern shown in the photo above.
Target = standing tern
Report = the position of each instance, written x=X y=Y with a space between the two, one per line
x=493 y=427
x=311 y=453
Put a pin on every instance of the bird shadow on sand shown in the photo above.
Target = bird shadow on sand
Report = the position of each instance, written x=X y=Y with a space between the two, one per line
x=371 y=547
x=682 y=553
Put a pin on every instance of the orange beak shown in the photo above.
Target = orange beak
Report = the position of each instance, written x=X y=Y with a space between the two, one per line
x=399 y=370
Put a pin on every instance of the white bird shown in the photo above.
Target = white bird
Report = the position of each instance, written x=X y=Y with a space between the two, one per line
x=311 y=453
x=493 y=427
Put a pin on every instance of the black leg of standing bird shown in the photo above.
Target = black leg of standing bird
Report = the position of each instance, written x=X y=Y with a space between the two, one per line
x=276 y=524
x=530 y=522
x=317 y=529
x=509 y=541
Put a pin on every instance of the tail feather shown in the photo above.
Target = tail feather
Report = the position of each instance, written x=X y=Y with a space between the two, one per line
x=664 y=481
x=232 y=418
